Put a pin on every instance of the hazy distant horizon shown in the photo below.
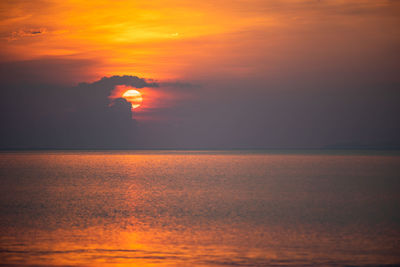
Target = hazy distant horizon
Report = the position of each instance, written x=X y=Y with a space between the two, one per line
x=327 y=150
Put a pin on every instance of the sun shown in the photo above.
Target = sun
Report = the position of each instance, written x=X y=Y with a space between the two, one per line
x=134 y=97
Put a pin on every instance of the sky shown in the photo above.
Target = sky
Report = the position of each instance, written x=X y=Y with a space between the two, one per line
x=212 y=74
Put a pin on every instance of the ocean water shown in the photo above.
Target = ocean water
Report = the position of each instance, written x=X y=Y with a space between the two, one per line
x=199 y=208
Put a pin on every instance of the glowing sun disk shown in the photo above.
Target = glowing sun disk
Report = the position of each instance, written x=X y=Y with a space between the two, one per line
x=134 y=97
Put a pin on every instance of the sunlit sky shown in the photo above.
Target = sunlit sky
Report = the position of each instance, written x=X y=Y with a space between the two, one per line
x=175 y=39
x=238 y=73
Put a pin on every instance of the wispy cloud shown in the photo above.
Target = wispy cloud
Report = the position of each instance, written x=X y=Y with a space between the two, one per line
x=27 y=33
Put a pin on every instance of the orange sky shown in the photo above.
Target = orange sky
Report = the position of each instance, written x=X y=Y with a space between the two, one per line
x=182 y=39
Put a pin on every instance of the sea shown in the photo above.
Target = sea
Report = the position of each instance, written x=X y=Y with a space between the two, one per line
x=200 y=208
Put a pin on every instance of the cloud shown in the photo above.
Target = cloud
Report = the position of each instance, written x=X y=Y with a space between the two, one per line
x=47 y=70
x=44 y=116
x=121 y=80
x=226 y=113
x=180 y=85
x=27 y=33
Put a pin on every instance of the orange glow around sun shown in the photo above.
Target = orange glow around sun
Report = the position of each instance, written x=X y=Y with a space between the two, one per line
x=134 y=97
x=146 y=100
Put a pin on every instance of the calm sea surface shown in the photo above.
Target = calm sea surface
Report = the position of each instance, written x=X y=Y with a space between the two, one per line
x=199 y=208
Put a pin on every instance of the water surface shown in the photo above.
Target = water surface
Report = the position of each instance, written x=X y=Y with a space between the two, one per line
x=199 y=208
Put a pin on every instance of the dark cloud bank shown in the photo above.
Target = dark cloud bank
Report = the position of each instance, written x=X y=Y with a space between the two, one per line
x=79 y=117
x=219 y=115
